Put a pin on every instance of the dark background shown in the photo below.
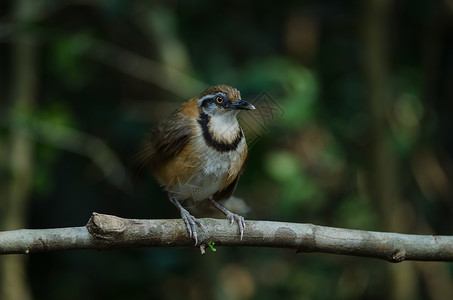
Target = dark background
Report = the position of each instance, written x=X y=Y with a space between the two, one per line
x=354 y=130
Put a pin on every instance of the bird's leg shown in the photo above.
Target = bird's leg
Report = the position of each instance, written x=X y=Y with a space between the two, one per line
x=188 y=219
x=230 y=216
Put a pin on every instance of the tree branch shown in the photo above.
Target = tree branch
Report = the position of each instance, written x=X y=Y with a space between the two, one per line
x=108 y=232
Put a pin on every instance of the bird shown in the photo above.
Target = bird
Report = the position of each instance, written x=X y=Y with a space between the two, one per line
x=199 y=152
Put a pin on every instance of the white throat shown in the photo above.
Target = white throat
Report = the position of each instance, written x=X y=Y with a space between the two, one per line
x=224 y=127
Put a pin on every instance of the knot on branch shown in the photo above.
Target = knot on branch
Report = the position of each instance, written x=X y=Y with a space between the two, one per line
x=398 y=255
x=105 y=227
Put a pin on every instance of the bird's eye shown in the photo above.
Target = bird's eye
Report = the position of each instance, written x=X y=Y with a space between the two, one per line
x=219 y=100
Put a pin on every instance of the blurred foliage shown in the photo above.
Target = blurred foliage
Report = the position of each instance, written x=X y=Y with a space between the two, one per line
x=110 y=70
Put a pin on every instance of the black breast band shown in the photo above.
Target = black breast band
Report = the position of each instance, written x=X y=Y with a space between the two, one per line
x=212 y=142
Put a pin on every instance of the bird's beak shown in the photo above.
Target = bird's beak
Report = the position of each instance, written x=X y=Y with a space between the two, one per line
x=242 y=104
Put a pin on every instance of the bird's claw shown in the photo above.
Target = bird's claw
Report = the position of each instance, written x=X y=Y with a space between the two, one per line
x=191 y=223
x=239 y=219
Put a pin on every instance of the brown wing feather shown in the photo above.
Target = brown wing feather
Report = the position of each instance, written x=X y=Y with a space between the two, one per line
x=164 y=142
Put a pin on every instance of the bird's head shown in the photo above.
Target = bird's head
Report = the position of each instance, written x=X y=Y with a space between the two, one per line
x=223 y=100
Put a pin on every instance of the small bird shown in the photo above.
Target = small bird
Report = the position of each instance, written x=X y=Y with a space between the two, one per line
x=199 y=152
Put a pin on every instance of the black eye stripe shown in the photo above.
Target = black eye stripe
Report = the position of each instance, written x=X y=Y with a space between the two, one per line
x=205 y=102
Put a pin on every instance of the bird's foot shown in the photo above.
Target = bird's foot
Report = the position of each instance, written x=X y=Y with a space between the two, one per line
x=231 y=216
x=239 y=219
x=191 y=224
x=190 y=221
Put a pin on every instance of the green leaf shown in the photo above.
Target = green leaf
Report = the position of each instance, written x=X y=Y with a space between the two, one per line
x=211 y=245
